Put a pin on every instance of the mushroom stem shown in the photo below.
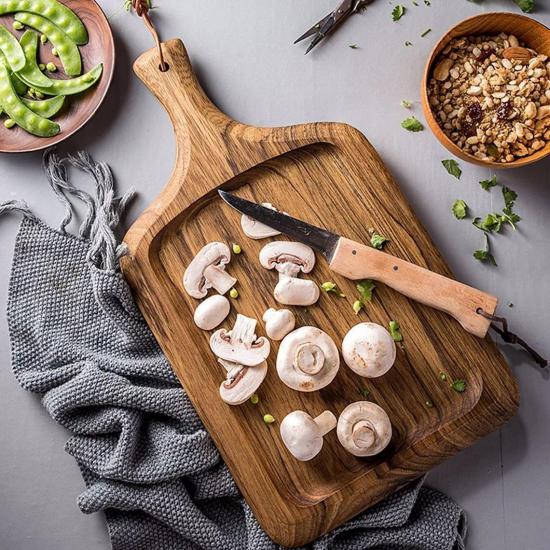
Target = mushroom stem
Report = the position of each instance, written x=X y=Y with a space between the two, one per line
x=219 y=279
x=309 y=358
x=233 y=369
x=244 y=330
x=364 y=434
x=326 y=422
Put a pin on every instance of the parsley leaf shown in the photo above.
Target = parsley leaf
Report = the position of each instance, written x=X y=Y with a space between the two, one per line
x=487 y=184
x=485 y=255
x=395 y=331
x=332 y=287
x=526 y=6
x=398 y=12
x=460 y=209
x=492 y=222
x=452 y=168
x=366 y=288
x=459 y=385
x=412 y=124
x=378 y=241
x=509 y=198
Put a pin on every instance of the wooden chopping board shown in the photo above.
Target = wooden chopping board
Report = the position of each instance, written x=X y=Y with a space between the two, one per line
x=328 y=175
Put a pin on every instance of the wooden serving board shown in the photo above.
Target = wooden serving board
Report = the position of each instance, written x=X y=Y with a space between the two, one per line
x=328 y=175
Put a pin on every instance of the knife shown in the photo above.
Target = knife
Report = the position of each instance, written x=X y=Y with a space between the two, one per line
x=472 y=308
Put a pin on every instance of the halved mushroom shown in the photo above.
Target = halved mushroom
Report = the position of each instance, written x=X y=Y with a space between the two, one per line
x=241 y=382
x=240 y=345
x=207 y=270
x=211 y=312
x=364 y=429
x=303 y=435
x=278 y=323
x=257 y=230
x=369 y=350
x=289 y=259
x=308 y=359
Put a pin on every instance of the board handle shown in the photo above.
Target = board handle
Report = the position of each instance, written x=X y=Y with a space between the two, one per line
x=357 y=261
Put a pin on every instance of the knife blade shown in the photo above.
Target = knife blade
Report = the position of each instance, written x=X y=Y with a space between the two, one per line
x=357 y=261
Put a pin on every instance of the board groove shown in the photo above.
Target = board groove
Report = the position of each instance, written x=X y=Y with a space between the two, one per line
x=329 y=175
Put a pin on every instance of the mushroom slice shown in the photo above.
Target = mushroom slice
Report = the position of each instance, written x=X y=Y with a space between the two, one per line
x=241 y=382
x=308 y=359
x=278 y=323
x=364 y=429
x=257 y=230
x=211 y=312
x=198 y=278
x=240 y=345
x=291 y=291
x=287 y=257
x=303 y=435
x=369 y=350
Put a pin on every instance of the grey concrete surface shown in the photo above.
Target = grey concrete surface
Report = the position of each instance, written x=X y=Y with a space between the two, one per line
x=243 y=53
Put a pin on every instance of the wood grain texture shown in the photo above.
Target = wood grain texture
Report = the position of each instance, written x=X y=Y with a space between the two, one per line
x=356 y=261
x=80 y=108
x=329 y=175
x=534 y=34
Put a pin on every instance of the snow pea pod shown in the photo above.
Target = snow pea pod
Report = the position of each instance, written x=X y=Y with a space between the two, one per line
x=30 y=73
x=20 y=113
x=11 y=49
x=20 y=87
x=46 y=108
x=65 y=46
x=73 y=85
x=65 y=18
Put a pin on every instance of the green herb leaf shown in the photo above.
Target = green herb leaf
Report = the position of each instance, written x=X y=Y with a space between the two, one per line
x=366 y=288
x=459 y=385
x=491 y=222
x=395 y=331
x=485 y=255
x=364 y=392
x=526 y=6
x=452 y=168
x=425 y=33
x=406 y=104
x=460 y=209
x=358 y=305
x=398 y=12
x=378 y=241
x=353 y=46
x=492 y=149
x=510 y=197
x=332 y=287
x=412 y=124
x=487 y=184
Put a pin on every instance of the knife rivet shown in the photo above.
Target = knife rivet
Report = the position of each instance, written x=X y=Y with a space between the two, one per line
x=354 y=252
x=395 y=268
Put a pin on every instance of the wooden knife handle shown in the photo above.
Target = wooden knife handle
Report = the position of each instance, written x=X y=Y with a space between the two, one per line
x=357 y=261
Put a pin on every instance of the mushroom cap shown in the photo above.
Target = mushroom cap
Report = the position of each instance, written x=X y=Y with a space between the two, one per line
x=301 y=435
x=369 y=350
x=278 y=323
x=308 y=359
x=364 y=428
x=291 y=291
x=244 y=385
x=258 y=230
x=287 y=257
x=194 y=281
x=211 y=312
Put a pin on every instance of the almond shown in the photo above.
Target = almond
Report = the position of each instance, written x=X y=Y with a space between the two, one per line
x=544 y=112
x=441 y=72
x=523 y=55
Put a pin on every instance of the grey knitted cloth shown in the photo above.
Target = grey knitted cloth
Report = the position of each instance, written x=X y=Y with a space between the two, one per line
x=147 y=461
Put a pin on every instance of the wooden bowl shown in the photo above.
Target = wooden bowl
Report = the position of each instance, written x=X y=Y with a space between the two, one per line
x=534 y=34
x=80 y=108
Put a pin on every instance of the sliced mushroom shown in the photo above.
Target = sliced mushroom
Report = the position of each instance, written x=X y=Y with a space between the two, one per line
x=240 y=345
x=303 y=435
x=257 y=230
x=211 y=312
x=364 y=429
x=278 y=323
x=369 y=350
x=308 y=359
x=207 y=270
x=289 y=259
x=291 y=291
x=241 y=382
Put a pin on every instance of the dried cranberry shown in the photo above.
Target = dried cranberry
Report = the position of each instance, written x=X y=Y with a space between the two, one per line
x=467 y=129
x=485 y=54
x=504 y=111
x=474 y=111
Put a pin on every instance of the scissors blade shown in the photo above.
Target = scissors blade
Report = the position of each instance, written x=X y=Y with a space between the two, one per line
x=315 y=29
x=320 y=239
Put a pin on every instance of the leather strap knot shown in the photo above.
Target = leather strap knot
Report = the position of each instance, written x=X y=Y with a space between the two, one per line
x=142 y=9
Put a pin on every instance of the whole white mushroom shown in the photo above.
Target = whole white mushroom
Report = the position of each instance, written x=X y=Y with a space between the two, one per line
x=278 y=323
x=369 y=350
x=211 y=312
x=303 y=435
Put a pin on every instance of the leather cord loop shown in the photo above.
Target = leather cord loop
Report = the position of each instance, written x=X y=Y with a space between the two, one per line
x=511 y=338
x=141 y=7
